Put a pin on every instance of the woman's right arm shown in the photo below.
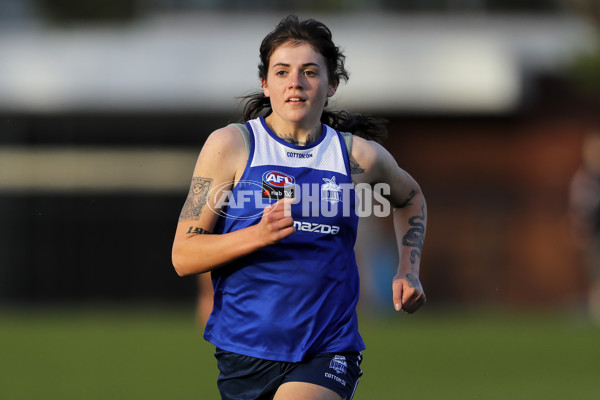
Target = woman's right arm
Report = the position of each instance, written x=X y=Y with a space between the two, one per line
x=195 y=248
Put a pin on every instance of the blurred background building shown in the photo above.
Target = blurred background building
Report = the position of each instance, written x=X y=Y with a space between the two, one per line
x=105 y=104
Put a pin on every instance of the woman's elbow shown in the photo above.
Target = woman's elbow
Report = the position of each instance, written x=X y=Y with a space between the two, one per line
x=184 y=266
x=179 y=269
x=179 y=263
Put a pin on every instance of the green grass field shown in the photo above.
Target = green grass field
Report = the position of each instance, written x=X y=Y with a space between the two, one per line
x=158 y=353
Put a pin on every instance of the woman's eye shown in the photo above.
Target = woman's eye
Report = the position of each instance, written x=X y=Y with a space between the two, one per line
x=280 y=73
x=310 y=73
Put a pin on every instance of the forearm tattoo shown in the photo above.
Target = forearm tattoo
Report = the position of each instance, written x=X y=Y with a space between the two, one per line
x=197 y=198
x=198 y=231
x=415 y=235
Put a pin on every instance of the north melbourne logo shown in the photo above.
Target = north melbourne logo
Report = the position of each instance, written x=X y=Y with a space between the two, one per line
x=338 y=363
x=331 y=191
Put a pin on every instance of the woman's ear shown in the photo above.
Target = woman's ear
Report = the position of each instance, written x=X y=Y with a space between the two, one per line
x=332 y=89
x=265 y=87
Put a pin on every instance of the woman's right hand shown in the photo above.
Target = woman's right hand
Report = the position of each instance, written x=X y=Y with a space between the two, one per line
x=276 y=222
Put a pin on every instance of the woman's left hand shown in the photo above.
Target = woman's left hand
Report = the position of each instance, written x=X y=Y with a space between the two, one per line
x=408 y=293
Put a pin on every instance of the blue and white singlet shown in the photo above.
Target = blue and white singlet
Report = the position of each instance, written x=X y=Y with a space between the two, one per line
x=296 y=298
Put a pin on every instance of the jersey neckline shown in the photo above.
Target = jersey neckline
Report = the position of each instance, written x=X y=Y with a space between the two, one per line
x=291 y=145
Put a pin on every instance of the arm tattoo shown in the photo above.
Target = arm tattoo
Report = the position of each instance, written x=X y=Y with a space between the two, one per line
x=197 y=198
x=412 y=280
x=415 y=235
x=407 y=201
x=355 y=168
x=198 y=231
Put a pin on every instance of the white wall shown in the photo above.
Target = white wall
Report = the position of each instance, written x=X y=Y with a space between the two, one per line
x=203 y=61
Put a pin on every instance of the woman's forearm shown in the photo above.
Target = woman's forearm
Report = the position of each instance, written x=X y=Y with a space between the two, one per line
x=205 y=252
x=410 y=225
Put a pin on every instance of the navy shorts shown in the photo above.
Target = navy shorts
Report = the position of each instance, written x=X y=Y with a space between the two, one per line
x=248 y=378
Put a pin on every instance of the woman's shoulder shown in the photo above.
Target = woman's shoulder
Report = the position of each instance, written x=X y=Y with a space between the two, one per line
x=227 y=135
x=370 y=158
x=225 y=148
x=364 y=149
x=225 y=140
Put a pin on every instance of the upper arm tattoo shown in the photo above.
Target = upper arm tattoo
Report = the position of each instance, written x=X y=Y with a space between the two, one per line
x=355 y=168
x=197 y=198
x=408 y=199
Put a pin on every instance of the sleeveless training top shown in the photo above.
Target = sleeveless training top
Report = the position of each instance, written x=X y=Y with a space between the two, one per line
x=298 y=297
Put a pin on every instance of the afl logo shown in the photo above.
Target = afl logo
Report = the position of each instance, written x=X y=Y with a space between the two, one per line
x=277 y=185
x=278 y=179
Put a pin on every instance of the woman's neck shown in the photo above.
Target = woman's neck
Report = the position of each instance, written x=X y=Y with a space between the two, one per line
x=294 y=133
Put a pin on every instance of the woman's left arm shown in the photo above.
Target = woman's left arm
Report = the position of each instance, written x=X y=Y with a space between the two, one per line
x=373 y=164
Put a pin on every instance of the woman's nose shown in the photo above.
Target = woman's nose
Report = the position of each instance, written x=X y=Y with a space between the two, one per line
x=295 y=81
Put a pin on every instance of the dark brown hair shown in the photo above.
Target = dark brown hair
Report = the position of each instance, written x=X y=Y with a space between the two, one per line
x=315 y=33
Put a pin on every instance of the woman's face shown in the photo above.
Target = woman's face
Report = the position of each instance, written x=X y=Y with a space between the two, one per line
x=297 y=84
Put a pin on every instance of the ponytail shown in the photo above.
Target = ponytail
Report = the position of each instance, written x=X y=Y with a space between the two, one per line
x=257 y=105
x=366 y=126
